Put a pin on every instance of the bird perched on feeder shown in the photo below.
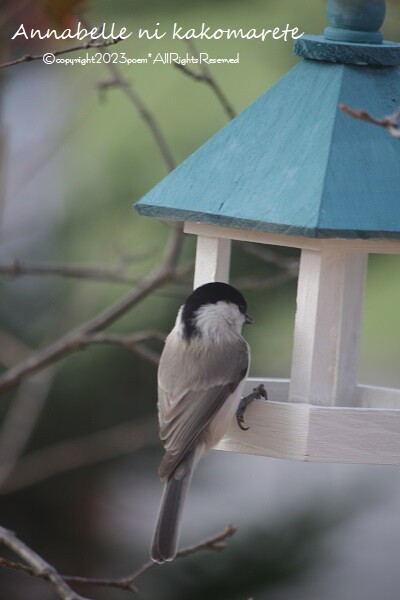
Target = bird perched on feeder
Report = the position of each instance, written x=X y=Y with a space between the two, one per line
x=201 y=375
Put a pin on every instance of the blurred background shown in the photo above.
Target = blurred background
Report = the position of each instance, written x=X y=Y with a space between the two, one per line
x=78 y=442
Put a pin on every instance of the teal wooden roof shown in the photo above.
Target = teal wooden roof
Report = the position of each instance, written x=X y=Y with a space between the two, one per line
x=293 y=163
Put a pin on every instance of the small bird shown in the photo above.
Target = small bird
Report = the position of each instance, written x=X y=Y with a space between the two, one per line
x=201 y=375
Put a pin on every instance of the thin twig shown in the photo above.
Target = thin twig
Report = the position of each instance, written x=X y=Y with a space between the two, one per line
x=71 y=341
x=14 y=566
x=391 y=122
x=118 y=80
x=127 y=340
x=132 y=342
x=215 y=543
x=193 y=74
x=38 y=566
x=69 y=455
x=85 y=46
x=206 y=76
x=18 y=268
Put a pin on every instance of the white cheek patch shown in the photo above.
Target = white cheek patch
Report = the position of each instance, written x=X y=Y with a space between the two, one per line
x=219 y=319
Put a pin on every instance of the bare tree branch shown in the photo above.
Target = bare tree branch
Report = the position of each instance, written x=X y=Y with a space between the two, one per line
x=38 y=566
x=215 y=543
x=85 y=46
x=79 y=452
x=71 y=341
x=118 y=80
x=132 y=342
x=29 y=571
x=391 y=122
x=161 y=275
x=18 y=268
x=206 y=76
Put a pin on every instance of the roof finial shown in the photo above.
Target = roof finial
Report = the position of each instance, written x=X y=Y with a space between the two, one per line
x=353 y=36
x=356 y=21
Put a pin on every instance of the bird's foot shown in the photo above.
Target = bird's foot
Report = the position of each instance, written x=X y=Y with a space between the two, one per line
x=257 y=393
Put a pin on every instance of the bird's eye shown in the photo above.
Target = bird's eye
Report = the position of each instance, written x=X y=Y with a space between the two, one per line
x=243 y=308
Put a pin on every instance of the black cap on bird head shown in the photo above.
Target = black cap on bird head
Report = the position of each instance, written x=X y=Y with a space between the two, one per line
x=211 y=293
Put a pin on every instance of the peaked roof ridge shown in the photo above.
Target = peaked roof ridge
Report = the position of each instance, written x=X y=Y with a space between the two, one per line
x=361 y=197
x=334 y=123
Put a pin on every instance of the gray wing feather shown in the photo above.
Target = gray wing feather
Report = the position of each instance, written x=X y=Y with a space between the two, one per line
x=188 y=401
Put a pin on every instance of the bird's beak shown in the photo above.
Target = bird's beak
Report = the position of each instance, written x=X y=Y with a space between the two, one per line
x=248 y=320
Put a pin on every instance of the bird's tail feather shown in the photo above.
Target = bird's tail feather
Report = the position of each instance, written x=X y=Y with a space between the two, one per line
x=166 y=535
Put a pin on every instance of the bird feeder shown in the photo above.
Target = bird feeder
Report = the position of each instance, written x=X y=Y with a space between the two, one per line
x=293 y=170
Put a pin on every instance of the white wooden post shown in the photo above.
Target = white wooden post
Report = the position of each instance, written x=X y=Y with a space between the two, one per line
x=328 y=327
x=213 y=258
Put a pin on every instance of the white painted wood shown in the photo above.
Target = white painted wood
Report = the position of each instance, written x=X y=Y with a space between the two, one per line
x=291 y=241
x=369 y=396
x=354 y=435
x=366 y=396
x=213 y=257
x=277 y=429
x=306 y=432
x=350 y=328
x=327 y=327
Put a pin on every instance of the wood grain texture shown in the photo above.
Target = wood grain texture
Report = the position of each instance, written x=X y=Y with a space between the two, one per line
x=303 y=432
x=293 y=164
x=317 y=47
x=277 y=429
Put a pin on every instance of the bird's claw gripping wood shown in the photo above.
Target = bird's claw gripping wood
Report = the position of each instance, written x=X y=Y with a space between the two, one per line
x=257 y=393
